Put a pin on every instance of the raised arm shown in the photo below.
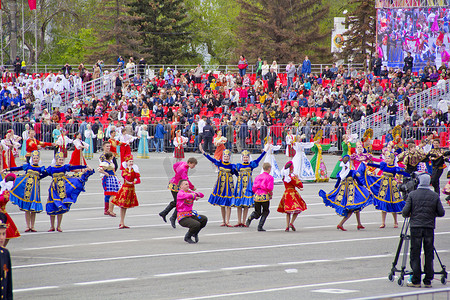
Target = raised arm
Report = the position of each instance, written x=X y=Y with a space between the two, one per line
x=254 y=164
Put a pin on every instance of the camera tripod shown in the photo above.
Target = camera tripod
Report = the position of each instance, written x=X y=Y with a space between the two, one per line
x=406 y=237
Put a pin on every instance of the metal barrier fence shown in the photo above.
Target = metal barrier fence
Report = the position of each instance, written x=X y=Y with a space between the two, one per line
x=380 y=121
x=252 y=139
x=153 y=69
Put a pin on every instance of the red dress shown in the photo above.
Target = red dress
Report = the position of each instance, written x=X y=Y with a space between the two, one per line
x=126 y=197
x=292 y=202
x=77 y=158
x=11 y=229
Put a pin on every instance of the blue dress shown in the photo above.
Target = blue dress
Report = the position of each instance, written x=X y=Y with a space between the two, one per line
x=143 y=146
x=386 y=194
x=349 y=194
x=243 y=194
x=223 y=192
x=64 y=190
x=26 y=193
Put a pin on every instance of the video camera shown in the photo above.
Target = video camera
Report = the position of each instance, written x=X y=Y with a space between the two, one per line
x=409 y=184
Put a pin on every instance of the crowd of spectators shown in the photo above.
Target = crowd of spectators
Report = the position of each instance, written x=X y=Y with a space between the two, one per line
x=247 y=106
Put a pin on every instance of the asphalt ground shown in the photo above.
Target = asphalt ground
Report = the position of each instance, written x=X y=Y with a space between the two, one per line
x=93 y=259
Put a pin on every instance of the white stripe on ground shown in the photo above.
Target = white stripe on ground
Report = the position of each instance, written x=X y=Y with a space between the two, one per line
x=104 y=281
x=35 y=289
x=182 y=273
x=93 y=260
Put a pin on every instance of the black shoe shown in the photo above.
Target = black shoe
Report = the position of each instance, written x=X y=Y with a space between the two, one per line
x=163 y=216
x=173 y=219
x=261 y=223
x=187 y=238
x=195 y=236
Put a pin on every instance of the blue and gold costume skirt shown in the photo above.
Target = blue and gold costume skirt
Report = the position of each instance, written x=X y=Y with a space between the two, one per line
x=26 y=192
x=348 y=196
x=223 y=192
x=387 y=196
x=243 y=195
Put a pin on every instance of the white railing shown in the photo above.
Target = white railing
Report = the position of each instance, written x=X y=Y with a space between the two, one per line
x=379 y=121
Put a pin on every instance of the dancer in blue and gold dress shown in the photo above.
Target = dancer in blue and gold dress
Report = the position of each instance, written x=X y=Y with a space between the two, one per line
x=223 y=191
x=387 y=196
x=349 y=195
x=243 y=194
x=63 y=190
x=26 y=193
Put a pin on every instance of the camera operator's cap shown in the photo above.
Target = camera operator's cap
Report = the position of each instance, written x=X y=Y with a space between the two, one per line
x=424 y=181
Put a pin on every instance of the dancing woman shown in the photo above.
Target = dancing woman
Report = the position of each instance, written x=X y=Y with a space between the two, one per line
x=385 y=189
x=219 y=142
x=291 y=203
x=110 y=183
x=223 y=192
x=5 y=186
x=125 y=148
x=302 y=166
x=77 y=158
x=179 y=143
x=349 y=195
x=290 y=140
x=346 y=147
x=143 y=151
x=320 y=170
x=26 y=193
x=126 y=197
x=23 y=150
x=89 y=139
x=63 y=190
x=243 y=194
x=270 y=158
x=10 y=146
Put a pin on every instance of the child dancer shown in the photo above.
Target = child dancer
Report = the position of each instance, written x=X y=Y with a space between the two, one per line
x=219 y=142
x=63 y=190
x=243 y=194
x=143 y=151
x=5 y=186
x=263 y=191
x=181 y=172
x=186 y=216
x=290 y=140
x=110 y=182
x=179 y=143
x=126 y=197
x=349 y=195
x=387 y=196
x=223 y=191
x=88 y=139
x=291 y=203
x=33 y=144
x=270 y=159
x=125 y=148
x=26 y=192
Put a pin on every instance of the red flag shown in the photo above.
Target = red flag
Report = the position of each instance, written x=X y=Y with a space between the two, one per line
x=31 y=4
x=0 y=4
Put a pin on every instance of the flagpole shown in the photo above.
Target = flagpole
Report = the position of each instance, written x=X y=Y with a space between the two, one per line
x=23 y=33
x=35 y=40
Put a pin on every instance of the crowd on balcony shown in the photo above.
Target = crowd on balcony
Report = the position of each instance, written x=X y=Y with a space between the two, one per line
x=270 y=97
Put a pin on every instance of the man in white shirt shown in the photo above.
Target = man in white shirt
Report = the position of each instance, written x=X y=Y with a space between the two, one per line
x=201 y=124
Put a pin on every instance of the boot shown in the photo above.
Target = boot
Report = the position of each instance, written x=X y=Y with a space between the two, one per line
x=173 y=219
x=187 y=238
x=106 y=213
x=195 y=236
x=166 y=211
x=250 y=218
x=261 y=223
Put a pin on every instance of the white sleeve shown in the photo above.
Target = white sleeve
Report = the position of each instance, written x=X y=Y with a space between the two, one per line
x=77 y=143
x=175 y=143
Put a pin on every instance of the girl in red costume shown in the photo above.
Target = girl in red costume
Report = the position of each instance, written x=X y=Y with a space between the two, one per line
x=291 y=203
x=126 y=197
x=5 y=186
x=77 y=158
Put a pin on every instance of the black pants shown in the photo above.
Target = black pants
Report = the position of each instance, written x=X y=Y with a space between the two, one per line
x=421 y=235
x=435 y=176
x=116 y=165
x=174 y=202
x=262 y=209
x=194 y=223
x=207 y=145
x=94 y=145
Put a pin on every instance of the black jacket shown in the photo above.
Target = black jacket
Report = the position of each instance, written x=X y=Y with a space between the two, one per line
x=208 y=131
x=422 y=207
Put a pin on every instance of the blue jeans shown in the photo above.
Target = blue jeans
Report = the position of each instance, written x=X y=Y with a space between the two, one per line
x=290 y=81
x=242 y=72
x=392 y=120
x=159 y=145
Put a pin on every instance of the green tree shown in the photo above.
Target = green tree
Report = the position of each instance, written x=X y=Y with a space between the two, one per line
x=359 y=39
x=214 y=28
x=115 y=31
x=162 y=26
x=284 y=30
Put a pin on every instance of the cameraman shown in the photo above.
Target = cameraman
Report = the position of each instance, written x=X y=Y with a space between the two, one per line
x=422 y=207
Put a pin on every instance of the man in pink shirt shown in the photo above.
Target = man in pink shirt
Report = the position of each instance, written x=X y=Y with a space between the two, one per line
x=181 y=172
x=186 y=216
x=263 y=190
